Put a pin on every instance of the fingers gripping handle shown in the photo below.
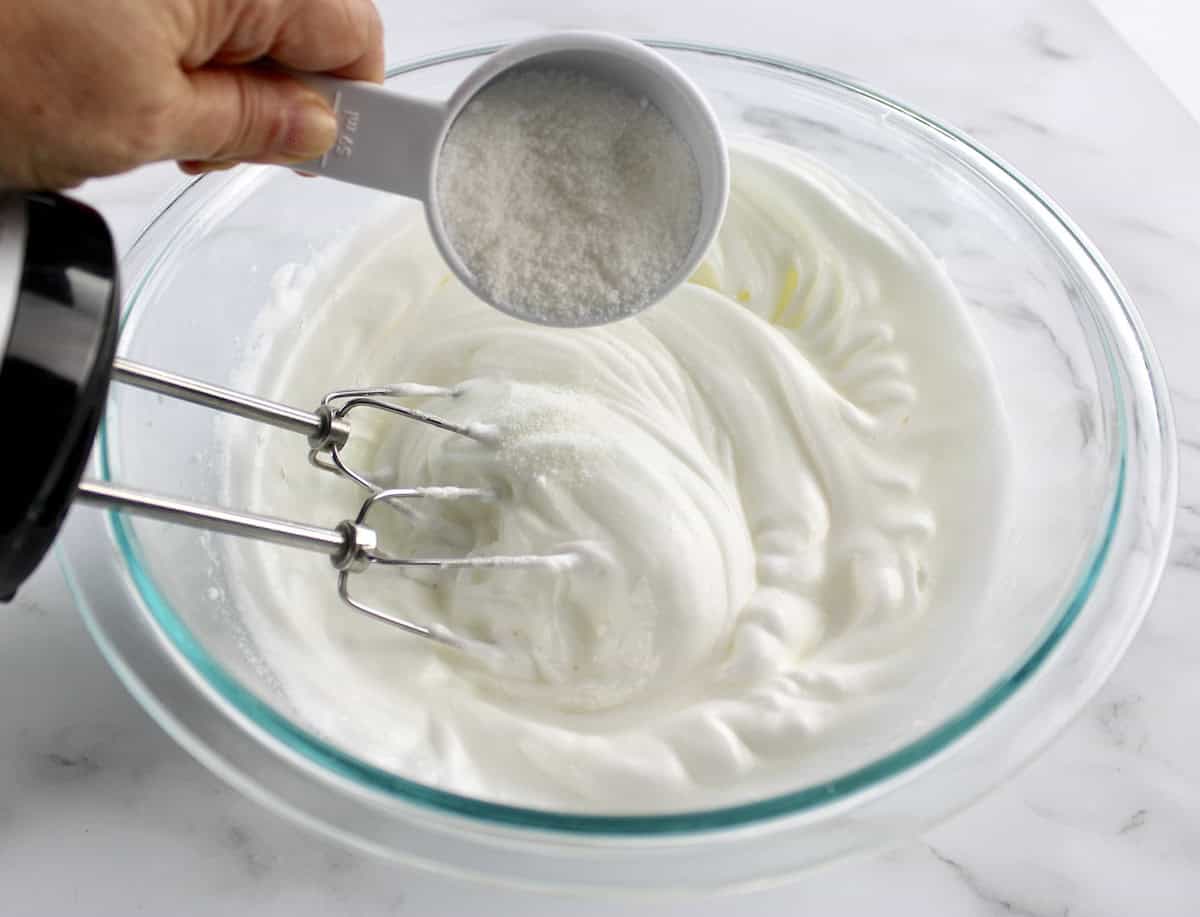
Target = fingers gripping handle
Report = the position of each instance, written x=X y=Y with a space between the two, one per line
x=385 y=140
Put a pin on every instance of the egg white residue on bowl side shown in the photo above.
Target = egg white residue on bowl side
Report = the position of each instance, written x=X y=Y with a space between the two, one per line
x=774 y=478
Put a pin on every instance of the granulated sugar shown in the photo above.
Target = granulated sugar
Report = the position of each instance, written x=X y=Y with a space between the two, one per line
x=570 y=200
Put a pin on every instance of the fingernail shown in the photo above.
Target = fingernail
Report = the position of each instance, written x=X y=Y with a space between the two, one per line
x=312 y=130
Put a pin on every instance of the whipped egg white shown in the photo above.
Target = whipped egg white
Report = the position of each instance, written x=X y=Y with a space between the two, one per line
x=778 y=483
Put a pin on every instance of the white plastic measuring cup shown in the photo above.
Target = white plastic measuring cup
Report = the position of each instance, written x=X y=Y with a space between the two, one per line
x=392 y=142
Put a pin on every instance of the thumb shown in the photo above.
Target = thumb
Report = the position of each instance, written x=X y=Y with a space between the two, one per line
x=241 y=113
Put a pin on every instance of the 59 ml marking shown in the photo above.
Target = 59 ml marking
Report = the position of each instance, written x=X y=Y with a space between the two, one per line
x=345 y=142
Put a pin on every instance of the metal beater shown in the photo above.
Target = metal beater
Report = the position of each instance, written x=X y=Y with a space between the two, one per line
x=58 y=317
x=351 y=545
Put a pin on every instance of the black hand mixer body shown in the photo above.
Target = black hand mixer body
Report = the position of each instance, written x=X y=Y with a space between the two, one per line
x=59 y=315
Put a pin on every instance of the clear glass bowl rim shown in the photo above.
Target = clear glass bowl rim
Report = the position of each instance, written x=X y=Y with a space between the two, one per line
x=838 y=790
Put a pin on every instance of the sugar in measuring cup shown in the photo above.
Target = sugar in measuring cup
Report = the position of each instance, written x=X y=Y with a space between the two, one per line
x=572 y=179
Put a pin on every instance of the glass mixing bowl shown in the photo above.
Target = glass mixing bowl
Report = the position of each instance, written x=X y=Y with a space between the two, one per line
x=1095 y=493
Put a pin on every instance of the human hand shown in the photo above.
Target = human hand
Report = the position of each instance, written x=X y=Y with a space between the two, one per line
x=97 y=87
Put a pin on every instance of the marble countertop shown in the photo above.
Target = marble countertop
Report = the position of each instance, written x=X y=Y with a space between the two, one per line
x=101 y=813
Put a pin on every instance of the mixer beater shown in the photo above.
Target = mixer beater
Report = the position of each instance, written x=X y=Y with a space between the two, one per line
x=351 y=545
x=58 y=317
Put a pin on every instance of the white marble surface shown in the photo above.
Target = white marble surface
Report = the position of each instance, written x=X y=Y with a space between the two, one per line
x=1164 y=33
x=100 y=813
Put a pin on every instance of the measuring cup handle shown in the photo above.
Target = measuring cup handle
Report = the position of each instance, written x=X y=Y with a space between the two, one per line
x=386 y=140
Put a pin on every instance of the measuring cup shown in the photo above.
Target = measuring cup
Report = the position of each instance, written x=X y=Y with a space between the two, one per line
x=392 y=142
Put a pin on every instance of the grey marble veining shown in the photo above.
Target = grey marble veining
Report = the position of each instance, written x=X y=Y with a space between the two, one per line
x=101 y=813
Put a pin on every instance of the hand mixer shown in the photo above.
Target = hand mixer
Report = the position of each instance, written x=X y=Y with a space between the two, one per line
x=59 y=307
x=60 y=338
